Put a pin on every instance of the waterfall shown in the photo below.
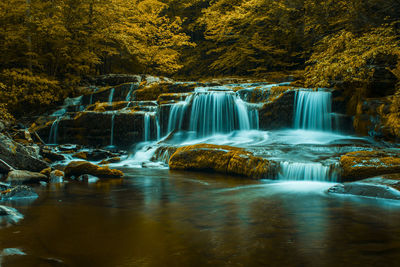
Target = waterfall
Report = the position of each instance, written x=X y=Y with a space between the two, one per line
x=111 y=96
x=177 y=114
x=158 y=127
x=129 y=95
x=53 y=131
x=146 y=127
x=112 y=131
x=313 y=110
x=218 y=112
x=312 y=171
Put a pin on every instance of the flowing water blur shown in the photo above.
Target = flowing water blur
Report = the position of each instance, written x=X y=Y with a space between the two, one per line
x=163 y=218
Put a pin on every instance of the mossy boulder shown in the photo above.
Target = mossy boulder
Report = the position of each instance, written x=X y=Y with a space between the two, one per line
x=77 y=168
x=363 y=164
x=25 y=177
x=222 y=159
x=153 y=91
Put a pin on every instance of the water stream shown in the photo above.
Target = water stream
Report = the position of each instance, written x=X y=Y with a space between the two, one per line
x=163 y=218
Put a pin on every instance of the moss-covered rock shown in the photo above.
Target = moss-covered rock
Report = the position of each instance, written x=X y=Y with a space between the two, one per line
x=363 y=164
x=153 y=91
x=77 y=168
x=222 y=159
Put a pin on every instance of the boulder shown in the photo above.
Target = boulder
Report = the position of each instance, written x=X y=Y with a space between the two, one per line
x=363 y=164
x=19 y=156
x=78 y=168
x=25 y=177
x=153 y=91
x=278 y=112
x=222 y=159
x=46 y=171
x=56 y=176
x=48 y=153
x=378 y=187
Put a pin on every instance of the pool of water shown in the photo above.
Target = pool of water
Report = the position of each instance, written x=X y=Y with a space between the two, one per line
x=157 y=217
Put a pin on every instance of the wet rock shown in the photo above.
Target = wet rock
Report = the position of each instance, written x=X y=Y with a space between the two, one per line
x=222 y=159
x=18 y=192
x=46 y=171
x=94 y=129
x=25 y=177
x=153 y=91
x=19 y=156
x=5 y=167
x=278 y=113
x=110 y=160
x=363 y=164
x=88 y=178
x=56 y=176
x=379 y=187
x=164 y=153
x=48 y=153
x=114 y=79
x=78 y=168
x=171 y=98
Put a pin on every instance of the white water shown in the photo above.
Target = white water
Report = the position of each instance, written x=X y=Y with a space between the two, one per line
x=111 y=96
x=176 y=115
x=219 y=116
x=129 y=95
x=53 y=132
x=313 y=110
x=311 y=171
x=146 y=126
x=215 y=112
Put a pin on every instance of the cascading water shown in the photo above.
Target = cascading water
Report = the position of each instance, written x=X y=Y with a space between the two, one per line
x=146 y=127
x=111 y=96
x=177 y=114
x=311 y=171
x=53 y=131
x=129 y=95
x=313 y=110
x=218 y=112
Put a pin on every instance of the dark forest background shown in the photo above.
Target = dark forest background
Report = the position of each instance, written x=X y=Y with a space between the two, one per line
x=48 y=48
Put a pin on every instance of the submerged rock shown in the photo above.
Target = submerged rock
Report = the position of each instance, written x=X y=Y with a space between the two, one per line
x=380 y=187
x=25 y=177
x=19 y=156
x=78 y=168
x=222 y=159
x=18 y=192
x=363 y=164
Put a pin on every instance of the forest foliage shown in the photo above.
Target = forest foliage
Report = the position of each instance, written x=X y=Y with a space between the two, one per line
x=48 y=47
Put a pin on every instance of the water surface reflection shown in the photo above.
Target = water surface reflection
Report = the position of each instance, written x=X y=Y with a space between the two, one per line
x=162 y=218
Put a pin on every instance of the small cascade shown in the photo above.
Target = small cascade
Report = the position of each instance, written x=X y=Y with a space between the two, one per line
x=218 y=112
x=112 y=130
x=91 y=95
x=129 y=95
x=177 y=114
x=158 y=127
x=111 y=96
x=146 y=127
x=310 y=171
x=53 y=131
x=313 y=111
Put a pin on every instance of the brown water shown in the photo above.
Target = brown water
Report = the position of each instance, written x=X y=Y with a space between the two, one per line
x=162 y=218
